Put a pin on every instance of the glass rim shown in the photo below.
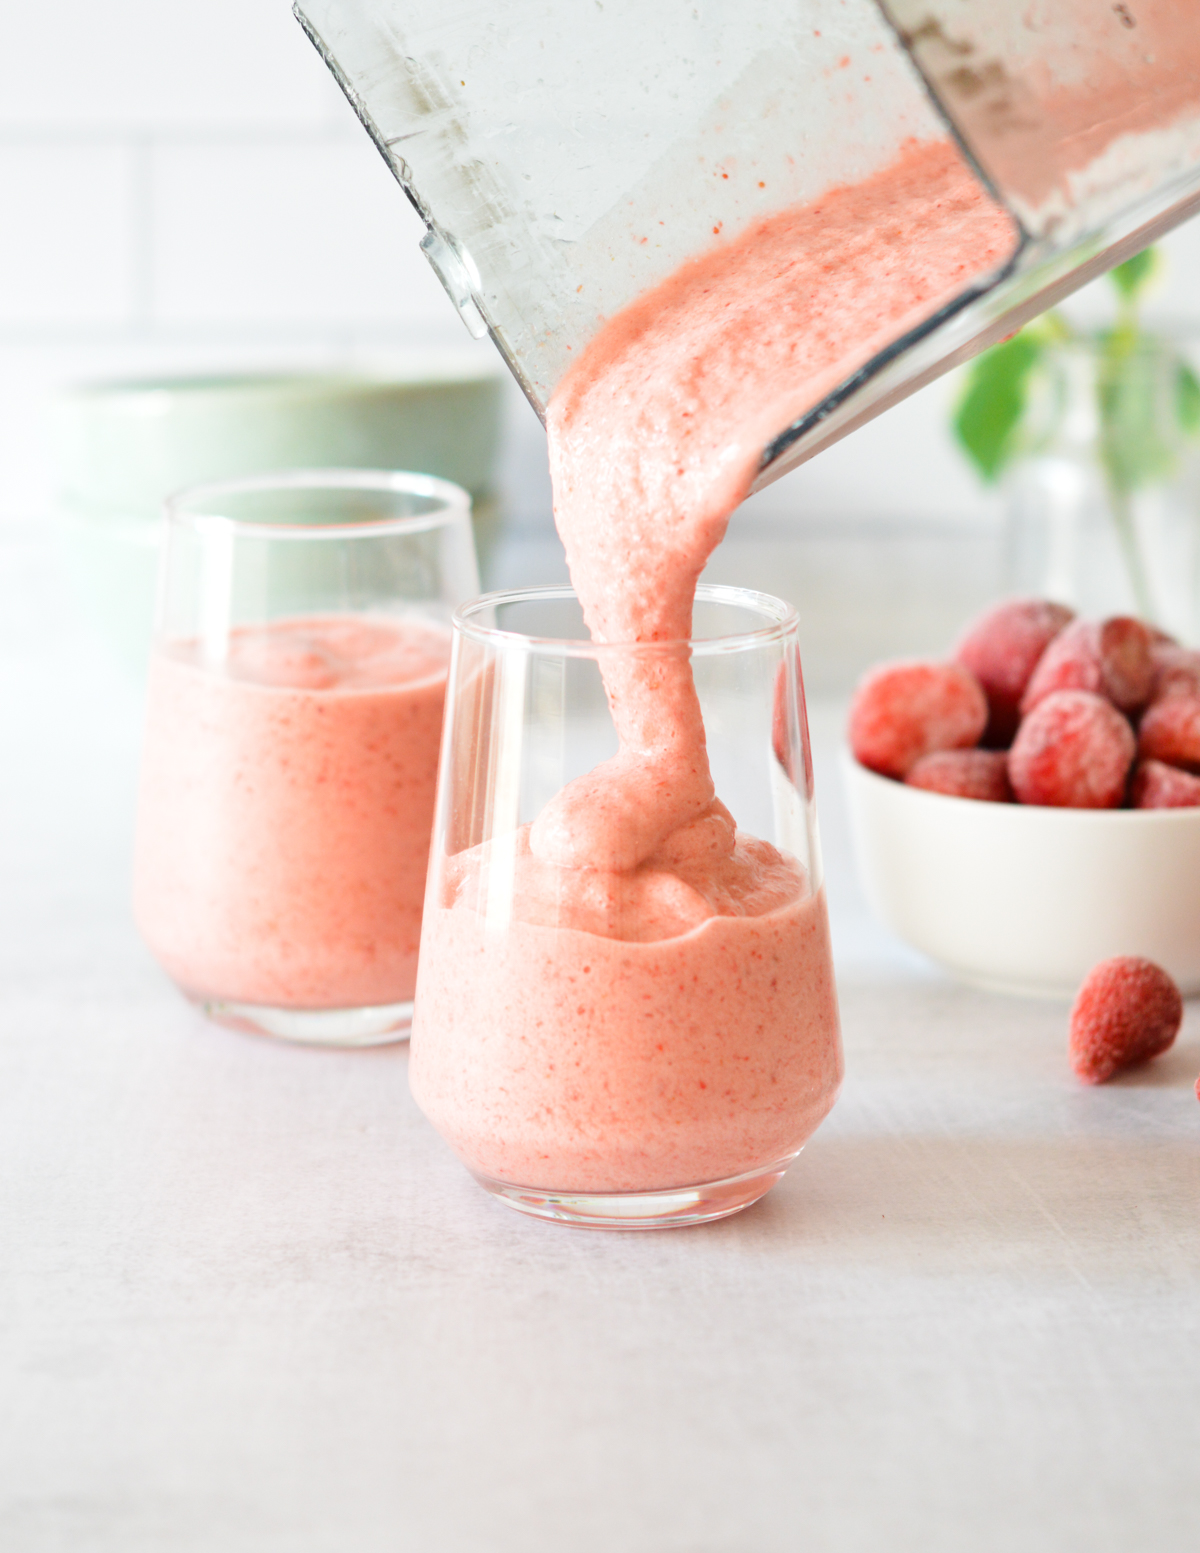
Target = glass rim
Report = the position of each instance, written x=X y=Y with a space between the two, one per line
x=186 y=507
x=782 y=621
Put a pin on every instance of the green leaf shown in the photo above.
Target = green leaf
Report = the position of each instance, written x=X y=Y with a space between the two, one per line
x=993 y=402
x=1187 y=400
x=1131 y=277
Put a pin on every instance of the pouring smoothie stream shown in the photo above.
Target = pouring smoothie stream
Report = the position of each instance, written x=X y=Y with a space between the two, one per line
x=659 y=1011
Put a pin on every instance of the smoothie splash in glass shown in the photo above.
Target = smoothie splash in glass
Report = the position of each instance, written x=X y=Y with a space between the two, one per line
x=650 y=1036
x=294 y=717
x=643 y=973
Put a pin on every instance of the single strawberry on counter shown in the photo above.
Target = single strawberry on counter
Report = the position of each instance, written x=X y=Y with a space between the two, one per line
x=1127 y=1011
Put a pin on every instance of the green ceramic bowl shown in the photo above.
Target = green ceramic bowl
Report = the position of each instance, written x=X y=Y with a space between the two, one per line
x=121 y=447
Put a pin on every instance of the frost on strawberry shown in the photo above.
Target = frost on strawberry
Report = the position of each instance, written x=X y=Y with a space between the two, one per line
x=1170 y=731
x=1073 y=751
x=1002 y=649
x=902 y=711
x=1159 y=786
x=1127 y=1011
x=1111 y=658
x=981 y=774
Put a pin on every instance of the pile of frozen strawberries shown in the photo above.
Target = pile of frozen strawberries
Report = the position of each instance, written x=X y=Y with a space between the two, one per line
x=1038 y=707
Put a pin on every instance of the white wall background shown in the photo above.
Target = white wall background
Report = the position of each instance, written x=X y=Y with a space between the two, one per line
x=183 y=188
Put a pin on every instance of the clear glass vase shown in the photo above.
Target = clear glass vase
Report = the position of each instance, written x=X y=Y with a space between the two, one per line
x=1105 y=514
x=608 y=1044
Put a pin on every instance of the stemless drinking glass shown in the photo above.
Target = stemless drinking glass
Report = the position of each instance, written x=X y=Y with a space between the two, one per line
x=294 y=716
x=610 y=1042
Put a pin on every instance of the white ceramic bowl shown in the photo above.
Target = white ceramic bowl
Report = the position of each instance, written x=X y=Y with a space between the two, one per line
x=1025 y=899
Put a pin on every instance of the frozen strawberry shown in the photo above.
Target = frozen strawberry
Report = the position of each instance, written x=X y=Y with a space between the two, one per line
x=1170 y=731
x=964 y=774
x=1002 y=649
x=1111 y=658
x=1126 y=662
x=1127 y=1011
x=1073 y=751
x=1158 y=786
x=1176 y=669
x=902 y=711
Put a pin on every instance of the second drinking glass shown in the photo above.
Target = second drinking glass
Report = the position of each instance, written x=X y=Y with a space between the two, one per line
x=645 y=1033
x=294 y=716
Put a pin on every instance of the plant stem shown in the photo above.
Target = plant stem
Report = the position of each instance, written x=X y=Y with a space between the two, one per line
x=1121 y=505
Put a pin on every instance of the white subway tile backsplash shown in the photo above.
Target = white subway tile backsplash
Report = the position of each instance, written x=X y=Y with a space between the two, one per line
x=301 y=233
x=69 y=222
x=155 y=64
x=183 y=188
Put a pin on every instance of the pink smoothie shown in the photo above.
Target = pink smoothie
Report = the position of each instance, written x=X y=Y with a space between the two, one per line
x=660 y=1010
x=659 y=1028
x=285 y=811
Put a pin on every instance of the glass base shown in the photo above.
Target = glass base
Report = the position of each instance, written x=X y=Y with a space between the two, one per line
x=315 y=1026
x=667 y=1209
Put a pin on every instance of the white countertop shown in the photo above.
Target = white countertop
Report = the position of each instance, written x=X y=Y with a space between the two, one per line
x=250 y=1303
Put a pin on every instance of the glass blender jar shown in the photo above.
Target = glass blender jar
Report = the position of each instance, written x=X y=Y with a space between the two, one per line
x=567 y=158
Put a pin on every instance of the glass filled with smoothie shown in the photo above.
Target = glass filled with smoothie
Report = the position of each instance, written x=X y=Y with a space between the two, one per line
x=294 y=717
x=626 y=1013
